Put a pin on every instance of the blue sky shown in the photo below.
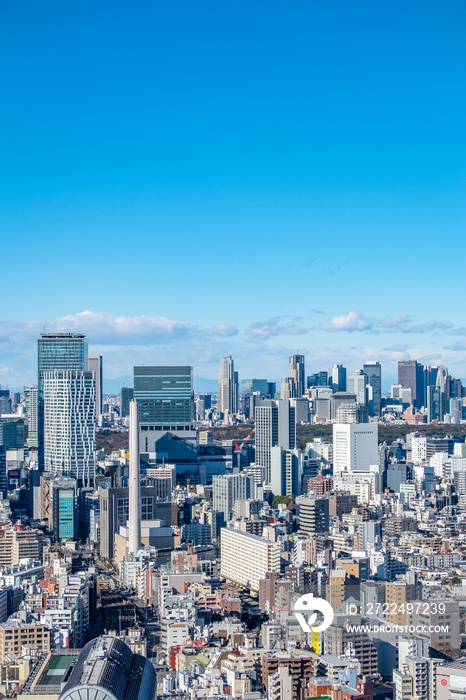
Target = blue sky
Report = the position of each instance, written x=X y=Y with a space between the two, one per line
x=181 y=180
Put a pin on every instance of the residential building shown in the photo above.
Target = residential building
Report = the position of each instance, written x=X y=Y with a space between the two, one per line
x=246 y=558
x=70 y=424
x=32 y=414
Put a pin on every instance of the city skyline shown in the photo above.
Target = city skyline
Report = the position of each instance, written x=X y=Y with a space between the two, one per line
x=159 y=341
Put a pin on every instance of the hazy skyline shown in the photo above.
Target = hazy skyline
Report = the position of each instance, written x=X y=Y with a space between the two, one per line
x=233 y=178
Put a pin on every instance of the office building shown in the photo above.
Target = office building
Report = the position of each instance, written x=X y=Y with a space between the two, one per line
x=355 y=446
x=56 y=351
x=11 y=432
x=126 y=395
x=337 y=377
x=285 y=466
x=228 y=488
x=287 y=389
x=296 y=372
x=107 y=669
x=313 y=514
x=228 y=389
x=70 y=424
x=63 y=508
x=317 y=379
x=246 y=558
x=165 y=405
x=95 y=365
x=32 y=415
x=434 y=404
x=357 y=385
x=373 y=371
x=411 y=374
x=275 y=425
x=114 y=513
x=250 y=386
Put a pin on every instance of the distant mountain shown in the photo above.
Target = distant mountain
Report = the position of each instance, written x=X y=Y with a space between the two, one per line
x=201 y=384
x=113 y=386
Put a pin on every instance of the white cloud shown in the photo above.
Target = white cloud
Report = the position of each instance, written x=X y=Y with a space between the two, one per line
x=280 y=325
x=353 y=321
x=349 y=322
x=223 y=330
x=101 y=328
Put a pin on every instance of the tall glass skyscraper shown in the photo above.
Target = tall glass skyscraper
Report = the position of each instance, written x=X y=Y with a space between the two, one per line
x=164 y=395
x=165 y=404
x=373 y=371
x=56 y=351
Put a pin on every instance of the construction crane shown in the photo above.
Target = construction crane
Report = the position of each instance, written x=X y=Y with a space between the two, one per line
x=248 y=437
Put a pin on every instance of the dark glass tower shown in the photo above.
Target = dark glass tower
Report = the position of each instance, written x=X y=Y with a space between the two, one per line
x=373 y=371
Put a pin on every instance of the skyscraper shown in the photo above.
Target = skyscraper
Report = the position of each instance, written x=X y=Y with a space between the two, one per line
x=373 y=371
x=95 y=365
x=126 y=395
x=165 y=404
x=357 y=385
x=296 y=373
x=355 y=446
x=275 y=425
x=70 y=424
x=66 y=351
x=285 y=471
x=337 y=377
x=411 y=374
x=32 y=417
x=227 y=398
x=228 y=488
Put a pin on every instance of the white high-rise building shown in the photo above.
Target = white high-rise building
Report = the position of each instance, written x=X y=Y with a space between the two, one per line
x=32 y=414
x=228 y=488
x=275 y=425
x=355 y=446
x=228 y=390
x=357 y=384
x=286 y=470
x=70 y=424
